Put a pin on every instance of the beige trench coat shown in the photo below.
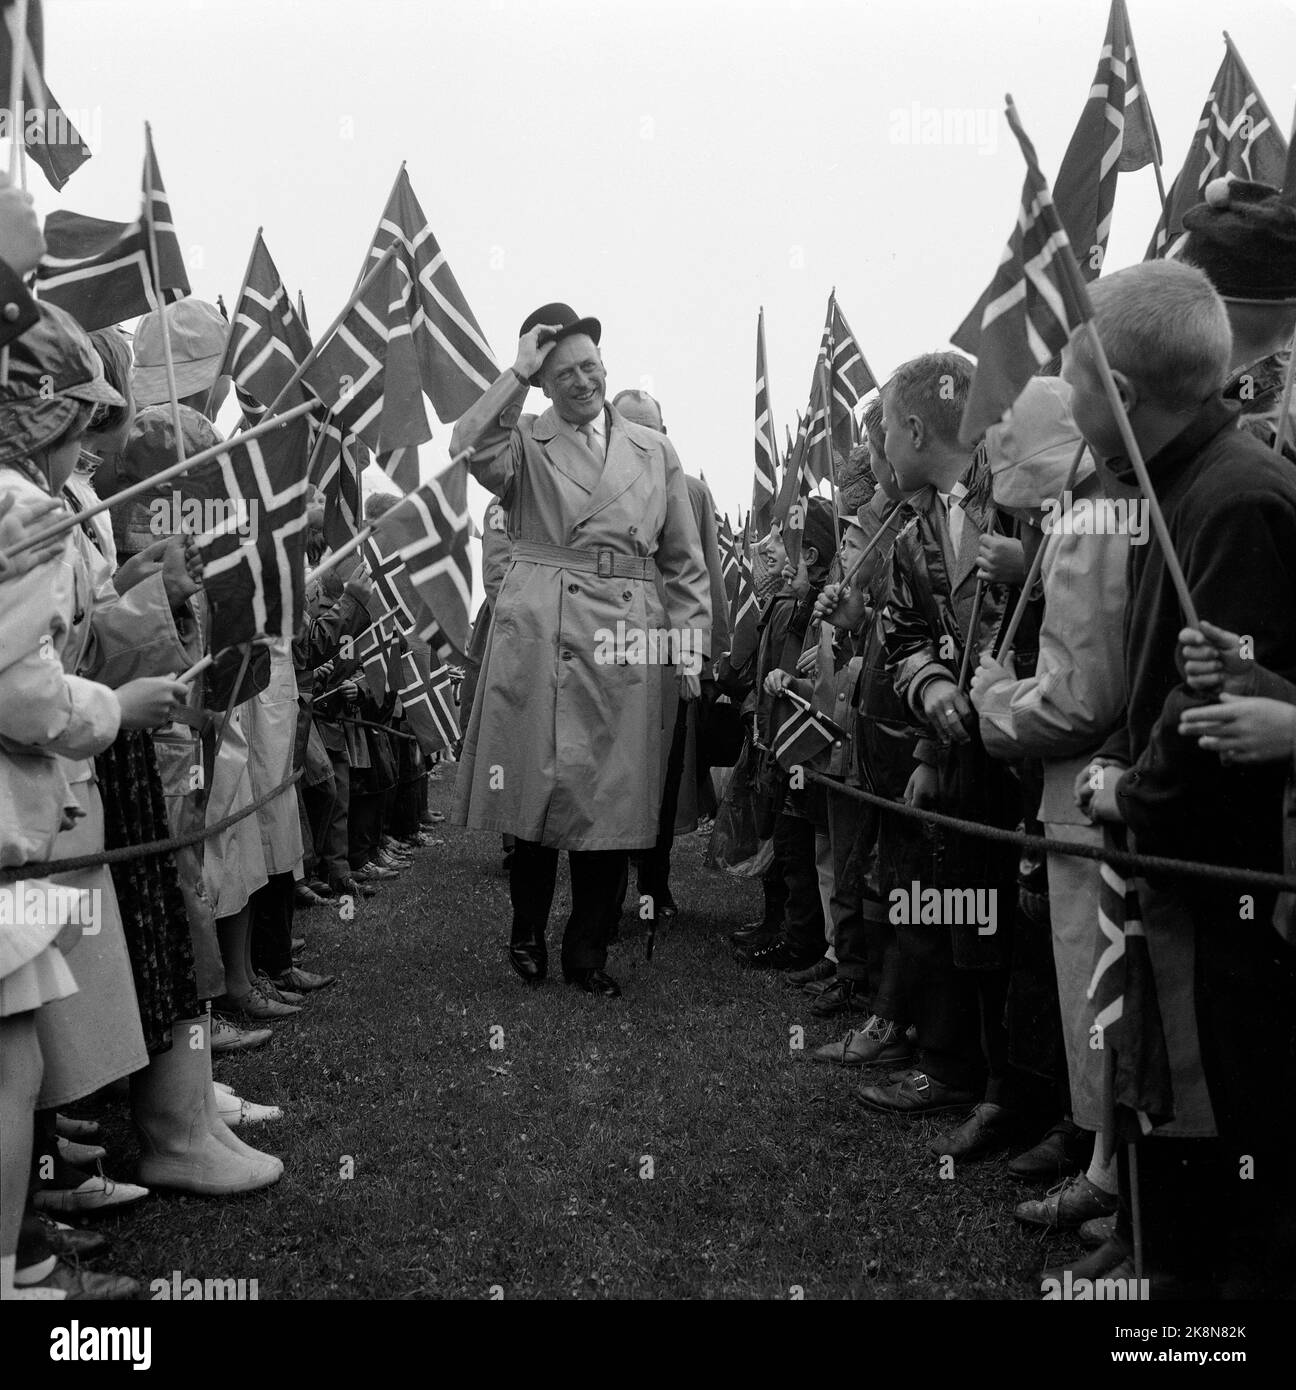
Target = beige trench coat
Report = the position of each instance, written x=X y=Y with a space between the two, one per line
x=564 y=748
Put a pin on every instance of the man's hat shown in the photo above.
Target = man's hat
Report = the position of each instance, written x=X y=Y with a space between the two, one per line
x=569 y=324
x=54 y=375
x=1244 y=238
x=198 y=334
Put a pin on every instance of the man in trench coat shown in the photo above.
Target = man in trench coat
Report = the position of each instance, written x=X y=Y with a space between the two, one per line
x=563 y=750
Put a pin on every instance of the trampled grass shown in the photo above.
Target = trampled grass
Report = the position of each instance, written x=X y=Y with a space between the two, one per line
x=670 y=1144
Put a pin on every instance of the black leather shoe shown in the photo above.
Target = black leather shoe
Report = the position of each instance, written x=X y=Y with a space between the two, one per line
x=593 y=982
x=530 y=960
x=319 y=888
x=987 y=1130
x=307 y=897
x=1064 y=1151
x=348 y=887
x=778 y=955
x=70 y=1241
x=754 y=934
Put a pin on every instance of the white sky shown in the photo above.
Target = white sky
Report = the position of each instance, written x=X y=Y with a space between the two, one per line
x=666 y=166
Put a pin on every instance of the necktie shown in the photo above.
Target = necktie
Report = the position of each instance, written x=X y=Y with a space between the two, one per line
x=591 y=439
x=954 y=521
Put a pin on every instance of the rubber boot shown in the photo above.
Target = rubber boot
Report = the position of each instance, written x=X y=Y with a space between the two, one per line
x=179 y=1146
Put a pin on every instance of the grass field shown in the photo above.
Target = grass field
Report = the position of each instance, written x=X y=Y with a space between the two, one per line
x=670 y=1144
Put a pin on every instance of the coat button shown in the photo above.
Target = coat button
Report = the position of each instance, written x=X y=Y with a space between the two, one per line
x=626 y=595
x=566 y=655
x=11 y=312
x=634 y=530
x=573 y=589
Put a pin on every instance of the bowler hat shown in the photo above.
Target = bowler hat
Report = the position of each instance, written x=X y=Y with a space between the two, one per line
x=1244 y=237
x=568 y=323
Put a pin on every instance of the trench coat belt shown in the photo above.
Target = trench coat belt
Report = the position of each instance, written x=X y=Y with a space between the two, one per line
x=602 y=560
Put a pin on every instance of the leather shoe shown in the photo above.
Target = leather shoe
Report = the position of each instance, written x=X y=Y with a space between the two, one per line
x=80 y=1285
x=349 y=888
x=841 y=997
x=95 y=1194
x=530 y=959
x=755 y=934
x=987 y=1130
x=225 y=1037
x=302 y=981
x=319 y=888
x=372 y=873
x=824 y=969
x=256 y=1003
x=878 y=1041
x=1061 y=1152
x=72 y=1241
x=306 y=898
x=1098 y=1230
x=778 y=955
x=593 y=982
x=1069 y=1205
x=916 y=1094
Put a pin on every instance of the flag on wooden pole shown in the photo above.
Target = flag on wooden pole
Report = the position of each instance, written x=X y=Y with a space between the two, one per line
x=254 y=561
x=850 y=378
x=267 y=341
x=765 y=481
x=49 y=137
x=367 y=373
x=100 y=271
x=455 y=362
x=803 y=734
x=1236 y=137
x=427 y=701
x=1127 y=1015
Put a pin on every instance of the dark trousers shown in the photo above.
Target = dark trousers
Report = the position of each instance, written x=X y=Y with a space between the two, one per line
x=596 y=876
x=888 y=991
x=364 y=828
x=851 y=828
x=272 y=918
x=332 y=823
x=803 y=918
x=654 y=864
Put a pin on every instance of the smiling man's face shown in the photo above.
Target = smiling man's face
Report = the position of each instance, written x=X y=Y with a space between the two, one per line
x=574 y=380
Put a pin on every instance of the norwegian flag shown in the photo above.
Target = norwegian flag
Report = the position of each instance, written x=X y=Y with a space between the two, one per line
x=1115 y=135
x=267 y=340
x=818 y=463
x=378 y=653
x=367 y=373
x=729 y=557
x=256 y=584
x=1127 y=1014
x=49 y=137
x=455 y=362
x=427 y=702
x=338 y=460
x=429 y=531
x=744 y=611
x=804 y=734
x=850 y=377
x=765 y=481
x=794 y=494
x=392 y=580
x=100 y=271
x=1236 y=138
x=401 y=466
x=1033 y=305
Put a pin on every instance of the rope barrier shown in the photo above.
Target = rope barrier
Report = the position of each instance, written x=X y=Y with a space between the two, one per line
x=1122 y=859
x=369 y=724
x=47 y=868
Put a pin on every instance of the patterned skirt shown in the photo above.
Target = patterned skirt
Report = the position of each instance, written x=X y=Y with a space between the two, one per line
x=152 y=906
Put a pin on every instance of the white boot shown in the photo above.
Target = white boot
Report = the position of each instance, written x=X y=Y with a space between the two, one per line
x=179 y=1146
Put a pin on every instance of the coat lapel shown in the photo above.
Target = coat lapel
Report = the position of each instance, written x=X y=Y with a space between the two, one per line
x=973 y=530
x=566 y=451
x=624 y=463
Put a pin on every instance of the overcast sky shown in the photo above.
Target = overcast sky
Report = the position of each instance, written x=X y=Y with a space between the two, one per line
x=666 y=166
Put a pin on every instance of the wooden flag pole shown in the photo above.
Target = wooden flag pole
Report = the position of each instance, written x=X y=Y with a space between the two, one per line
x=229 y=336
x=259 y=640
x=1284 y=409
x=155 y=286
x=825 y=387
x=1080 y=296
x=849 y=577
x=17 y=139
x=75 y=519
x=974 y=622
x=378 y=228
x=304 y=365
x=1023 y=600
x=1156 y=140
